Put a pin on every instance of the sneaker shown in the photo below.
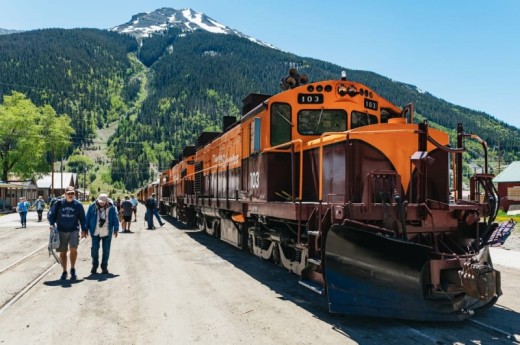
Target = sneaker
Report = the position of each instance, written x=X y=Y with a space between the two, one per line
x=104 y=271
x=73 y=275
x=64 y=275
x=93 y=270
x=162 y=224
x=129 y=231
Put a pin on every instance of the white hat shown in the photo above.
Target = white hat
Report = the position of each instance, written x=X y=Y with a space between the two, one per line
x=103 y=197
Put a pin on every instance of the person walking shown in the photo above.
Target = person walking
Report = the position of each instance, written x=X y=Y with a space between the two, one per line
x=39 y=205
x=22 y=207
x=126 y=211
x=68 y=215
x=134 y=202
x=151 y=211
x=118 y=204
x=102 y=223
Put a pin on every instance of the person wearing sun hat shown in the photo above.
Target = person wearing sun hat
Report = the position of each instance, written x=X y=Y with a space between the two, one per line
x=68 y=215
x=102 y=223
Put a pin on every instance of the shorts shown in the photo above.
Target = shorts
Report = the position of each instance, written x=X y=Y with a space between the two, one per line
x=68 y=239
x=127 y=218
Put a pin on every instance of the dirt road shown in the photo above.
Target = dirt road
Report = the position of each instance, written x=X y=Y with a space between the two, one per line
x=179 y=286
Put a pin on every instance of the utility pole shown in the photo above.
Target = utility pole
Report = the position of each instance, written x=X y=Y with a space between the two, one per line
x=499 y=157
x=84 y=183
x=52 y=174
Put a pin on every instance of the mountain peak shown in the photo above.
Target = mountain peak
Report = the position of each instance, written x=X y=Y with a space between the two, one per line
x=146 y=24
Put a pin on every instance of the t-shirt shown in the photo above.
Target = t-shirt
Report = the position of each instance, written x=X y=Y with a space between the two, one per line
x=22 y=206
x=126 y=208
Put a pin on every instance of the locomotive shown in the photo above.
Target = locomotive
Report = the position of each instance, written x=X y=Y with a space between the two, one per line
x=338 y=185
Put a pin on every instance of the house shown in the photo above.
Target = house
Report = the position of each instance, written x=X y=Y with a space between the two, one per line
x=9 y=194
x=508 y=182
x=54 y=184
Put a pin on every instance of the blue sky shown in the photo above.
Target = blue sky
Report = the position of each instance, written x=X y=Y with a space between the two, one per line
x=466 y=52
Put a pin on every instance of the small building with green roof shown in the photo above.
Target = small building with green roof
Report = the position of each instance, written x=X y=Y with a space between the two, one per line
x=508 y=184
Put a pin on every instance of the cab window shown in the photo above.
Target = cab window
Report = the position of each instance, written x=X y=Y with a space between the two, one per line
x=359 y=119
x=387 y=114
x=319 y=121
x=281 y=124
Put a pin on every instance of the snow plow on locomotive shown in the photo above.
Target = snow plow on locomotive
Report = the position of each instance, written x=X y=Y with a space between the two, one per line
x=338 y=185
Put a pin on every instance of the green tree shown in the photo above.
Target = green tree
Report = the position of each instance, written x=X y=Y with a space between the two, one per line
x=79 y=163
x=27 y=132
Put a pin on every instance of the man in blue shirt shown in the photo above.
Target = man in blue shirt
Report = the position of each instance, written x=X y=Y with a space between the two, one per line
x=39 y=205
x=68 y=215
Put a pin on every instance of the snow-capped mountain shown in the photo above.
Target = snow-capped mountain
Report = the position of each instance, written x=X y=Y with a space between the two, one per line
x=146 y=24
x=7 y=32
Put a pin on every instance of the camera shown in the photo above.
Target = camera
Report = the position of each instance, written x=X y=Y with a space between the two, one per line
x=102 y=222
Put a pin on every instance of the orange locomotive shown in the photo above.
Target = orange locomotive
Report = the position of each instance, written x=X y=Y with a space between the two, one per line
x=339 y=186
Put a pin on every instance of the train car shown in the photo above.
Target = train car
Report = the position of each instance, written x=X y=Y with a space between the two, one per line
x=338 y=185
x=182 y=184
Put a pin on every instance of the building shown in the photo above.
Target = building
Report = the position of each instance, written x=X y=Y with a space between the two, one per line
x=9 y=194
x=508 y=182
x=47 y=189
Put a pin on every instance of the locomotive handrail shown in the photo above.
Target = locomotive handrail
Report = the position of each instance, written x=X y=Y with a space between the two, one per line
x=445 y=148
x=292 y=142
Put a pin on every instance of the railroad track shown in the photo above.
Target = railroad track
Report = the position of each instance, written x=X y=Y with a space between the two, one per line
x=23 y=259
x=40 y=271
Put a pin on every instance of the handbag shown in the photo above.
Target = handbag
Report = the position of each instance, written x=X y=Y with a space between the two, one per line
x=54 y=238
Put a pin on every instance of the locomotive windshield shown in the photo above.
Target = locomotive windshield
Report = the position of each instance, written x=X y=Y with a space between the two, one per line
x=319 y=121
x=362 y=119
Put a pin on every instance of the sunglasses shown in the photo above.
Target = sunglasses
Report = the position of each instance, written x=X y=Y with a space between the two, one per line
x=70 y=193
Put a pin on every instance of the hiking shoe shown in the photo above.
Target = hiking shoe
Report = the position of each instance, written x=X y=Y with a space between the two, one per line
x=73 y=275
x=93 y=270
x=104 y=271
x=64 y=275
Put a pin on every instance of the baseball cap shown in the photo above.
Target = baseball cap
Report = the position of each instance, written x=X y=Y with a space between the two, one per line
x=70 y=189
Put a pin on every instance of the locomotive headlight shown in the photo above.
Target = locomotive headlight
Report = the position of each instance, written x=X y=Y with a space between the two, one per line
x=342 y=90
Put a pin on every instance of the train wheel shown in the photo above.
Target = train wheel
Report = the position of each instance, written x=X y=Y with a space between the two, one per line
x=276 y=254
x=201 y=223
x=250 y=244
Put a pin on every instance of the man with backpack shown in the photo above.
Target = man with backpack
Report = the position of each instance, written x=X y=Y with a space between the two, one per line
x=68 y=215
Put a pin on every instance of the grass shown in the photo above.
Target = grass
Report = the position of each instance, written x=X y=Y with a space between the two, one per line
x=503 y=217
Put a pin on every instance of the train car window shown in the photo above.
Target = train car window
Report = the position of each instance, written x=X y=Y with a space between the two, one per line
x=319 y=121
x=359 y=119
x=281 y=125
x=387 y=114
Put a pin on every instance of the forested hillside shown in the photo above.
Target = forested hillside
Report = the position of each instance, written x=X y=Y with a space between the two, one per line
x=166 y=90
x=83 y=73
